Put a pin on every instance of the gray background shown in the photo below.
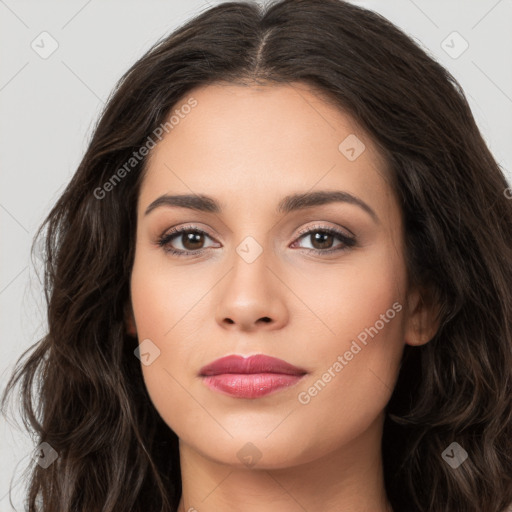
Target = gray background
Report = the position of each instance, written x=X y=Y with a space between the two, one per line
x=48 y=107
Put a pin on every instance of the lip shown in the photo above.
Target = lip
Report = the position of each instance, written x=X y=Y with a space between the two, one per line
x=250 y=377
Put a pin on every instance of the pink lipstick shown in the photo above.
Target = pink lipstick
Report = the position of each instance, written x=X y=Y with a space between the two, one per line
x=250 y=377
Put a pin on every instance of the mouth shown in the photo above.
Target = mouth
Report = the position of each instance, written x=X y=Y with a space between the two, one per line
x=250 y=377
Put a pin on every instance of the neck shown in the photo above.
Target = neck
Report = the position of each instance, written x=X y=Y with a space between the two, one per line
x=350 y=479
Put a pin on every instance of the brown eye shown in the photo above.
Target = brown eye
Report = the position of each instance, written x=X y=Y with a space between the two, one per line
x=189 y=240
x=322 y=240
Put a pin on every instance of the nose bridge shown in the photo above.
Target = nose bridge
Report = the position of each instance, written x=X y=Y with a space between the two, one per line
x=250 y=263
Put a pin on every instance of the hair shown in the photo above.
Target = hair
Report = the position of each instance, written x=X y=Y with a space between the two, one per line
x=81 y=387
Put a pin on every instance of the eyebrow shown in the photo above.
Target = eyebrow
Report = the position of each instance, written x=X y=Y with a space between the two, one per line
x=288 y=204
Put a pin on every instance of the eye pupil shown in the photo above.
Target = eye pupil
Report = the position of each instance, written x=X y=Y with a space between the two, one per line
x=327 y=238
x=194 y=238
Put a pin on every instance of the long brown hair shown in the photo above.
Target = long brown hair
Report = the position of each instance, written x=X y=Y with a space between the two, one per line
x=90 y=403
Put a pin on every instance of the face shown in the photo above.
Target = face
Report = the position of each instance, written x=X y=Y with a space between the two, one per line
x=320 y=284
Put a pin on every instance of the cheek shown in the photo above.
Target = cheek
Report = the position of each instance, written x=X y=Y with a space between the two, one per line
x=357 y=360
x=164 y=297
x=168 y=311
x=353 y=296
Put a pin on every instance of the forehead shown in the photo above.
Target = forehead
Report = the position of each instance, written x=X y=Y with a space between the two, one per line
x=243 y=143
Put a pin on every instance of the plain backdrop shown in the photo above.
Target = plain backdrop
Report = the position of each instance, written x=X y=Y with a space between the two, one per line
x=50 y=103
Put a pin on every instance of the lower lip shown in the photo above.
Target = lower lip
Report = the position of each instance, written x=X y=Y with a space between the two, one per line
x=252 y=385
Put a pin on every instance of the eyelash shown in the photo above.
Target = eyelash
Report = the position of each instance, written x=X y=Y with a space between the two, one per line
x=164 y=240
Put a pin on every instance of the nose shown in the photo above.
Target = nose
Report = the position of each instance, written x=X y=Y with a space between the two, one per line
x=252 y=296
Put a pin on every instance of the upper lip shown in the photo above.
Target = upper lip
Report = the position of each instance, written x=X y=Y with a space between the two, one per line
x=253 y=364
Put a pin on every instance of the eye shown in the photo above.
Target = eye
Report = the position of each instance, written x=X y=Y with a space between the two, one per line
x=190 y=238
x=322 y=239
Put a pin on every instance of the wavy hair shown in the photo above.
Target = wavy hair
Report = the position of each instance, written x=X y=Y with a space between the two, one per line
x=81 y=386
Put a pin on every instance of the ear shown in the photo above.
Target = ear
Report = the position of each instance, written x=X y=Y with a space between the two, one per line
x=129 y=320
x=423 y=319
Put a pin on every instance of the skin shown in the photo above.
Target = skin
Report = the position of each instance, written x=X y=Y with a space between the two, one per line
x=248 y=147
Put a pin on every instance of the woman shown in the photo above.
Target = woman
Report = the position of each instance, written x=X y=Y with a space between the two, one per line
x=278 y=280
